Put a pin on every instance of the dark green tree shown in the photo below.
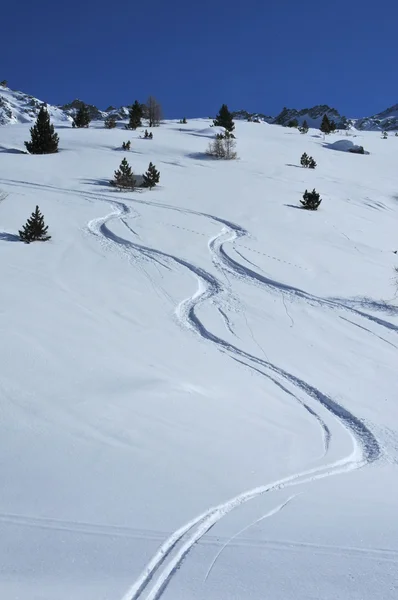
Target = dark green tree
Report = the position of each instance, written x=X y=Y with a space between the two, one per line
x=124 y=177
x=304 y=159
x=311 y=200
x=44 y=140
x=110 y=122
x=126 y=145
x=135 y=116
x=224 y=119
x=293 y=123
x=151 y=177
x=304 y=127
x=82 y=117
x=326 y=126
x=34 y=230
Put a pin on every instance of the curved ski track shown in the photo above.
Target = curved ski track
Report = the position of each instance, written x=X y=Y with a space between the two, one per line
x=164 y=564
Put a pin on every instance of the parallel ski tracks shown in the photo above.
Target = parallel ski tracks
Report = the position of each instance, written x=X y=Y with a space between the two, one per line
x=158 y=573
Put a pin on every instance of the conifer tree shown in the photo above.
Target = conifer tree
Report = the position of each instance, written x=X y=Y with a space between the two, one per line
x=44 y=140
x=110 y=122
x=326 y=126
x=135 y=116
x=82 y=117
x=124 y=177
x=304 y=127
x=304 y=159
x=151 y=177
x=311 y=200
x=34 y=230
x=224 y=119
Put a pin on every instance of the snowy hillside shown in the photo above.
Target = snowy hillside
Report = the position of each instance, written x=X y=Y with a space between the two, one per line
x=199 y=383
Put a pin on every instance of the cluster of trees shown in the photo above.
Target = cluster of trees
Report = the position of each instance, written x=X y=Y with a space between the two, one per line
x=311 y=200
x=307 y=161
x=223 y=145
x=124 y=178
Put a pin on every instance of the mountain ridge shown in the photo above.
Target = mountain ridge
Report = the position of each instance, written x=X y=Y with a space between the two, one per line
x=20 y=107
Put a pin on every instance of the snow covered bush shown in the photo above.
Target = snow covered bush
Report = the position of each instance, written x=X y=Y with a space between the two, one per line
x=223 y=146
x=307 y=161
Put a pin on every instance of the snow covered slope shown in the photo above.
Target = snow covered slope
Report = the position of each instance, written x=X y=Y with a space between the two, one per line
x=199 y=383
x=18 y=107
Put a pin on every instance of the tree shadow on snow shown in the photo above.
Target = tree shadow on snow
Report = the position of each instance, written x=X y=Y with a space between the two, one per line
x=9 y=237
x=290 y=165
x=12 y=150
x=294 y=206
x=200 y=156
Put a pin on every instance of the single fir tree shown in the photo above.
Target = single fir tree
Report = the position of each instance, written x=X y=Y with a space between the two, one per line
x=304 y=127
x=311 y=200
x=304 y=159
x=82 y=117
x=151 y=177
x=124 y=177
x=311 y=163
x=224 y=119
x=135 y=116
x=44 y=140
x=110 y=122
x=326 y=126
x=34 y=230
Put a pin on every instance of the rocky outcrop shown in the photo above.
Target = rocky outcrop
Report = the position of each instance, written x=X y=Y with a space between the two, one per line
x=313 y=116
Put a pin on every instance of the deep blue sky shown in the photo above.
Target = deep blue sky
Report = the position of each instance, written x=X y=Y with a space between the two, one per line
x=260 y=55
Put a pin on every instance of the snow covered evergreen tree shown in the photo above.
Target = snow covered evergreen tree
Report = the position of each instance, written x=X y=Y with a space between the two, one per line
x=151 y=177
x=44 y=140
x=135 y=116
x=34 y=230
x=82 y=117
x=124 y=177
x=224 y=119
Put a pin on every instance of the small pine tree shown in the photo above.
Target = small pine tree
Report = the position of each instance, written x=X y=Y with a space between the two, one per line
x=110 y=122
x=124 y=177
x=34 y=230
x=311 y=200
x=126 y=145
x=151 y=177
x=304 y=127
x=384 y=135
x=293 y=123
x=44 y=140
x=224 y=119
x=304 y=159
x=135 y=116
x=311 y=163
x=82 y=117
x=326 y=126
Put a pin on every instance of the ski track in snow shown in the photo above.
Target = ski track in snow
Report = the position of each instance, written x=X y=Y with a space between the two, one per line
x=366 y=449
x=164 y=564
